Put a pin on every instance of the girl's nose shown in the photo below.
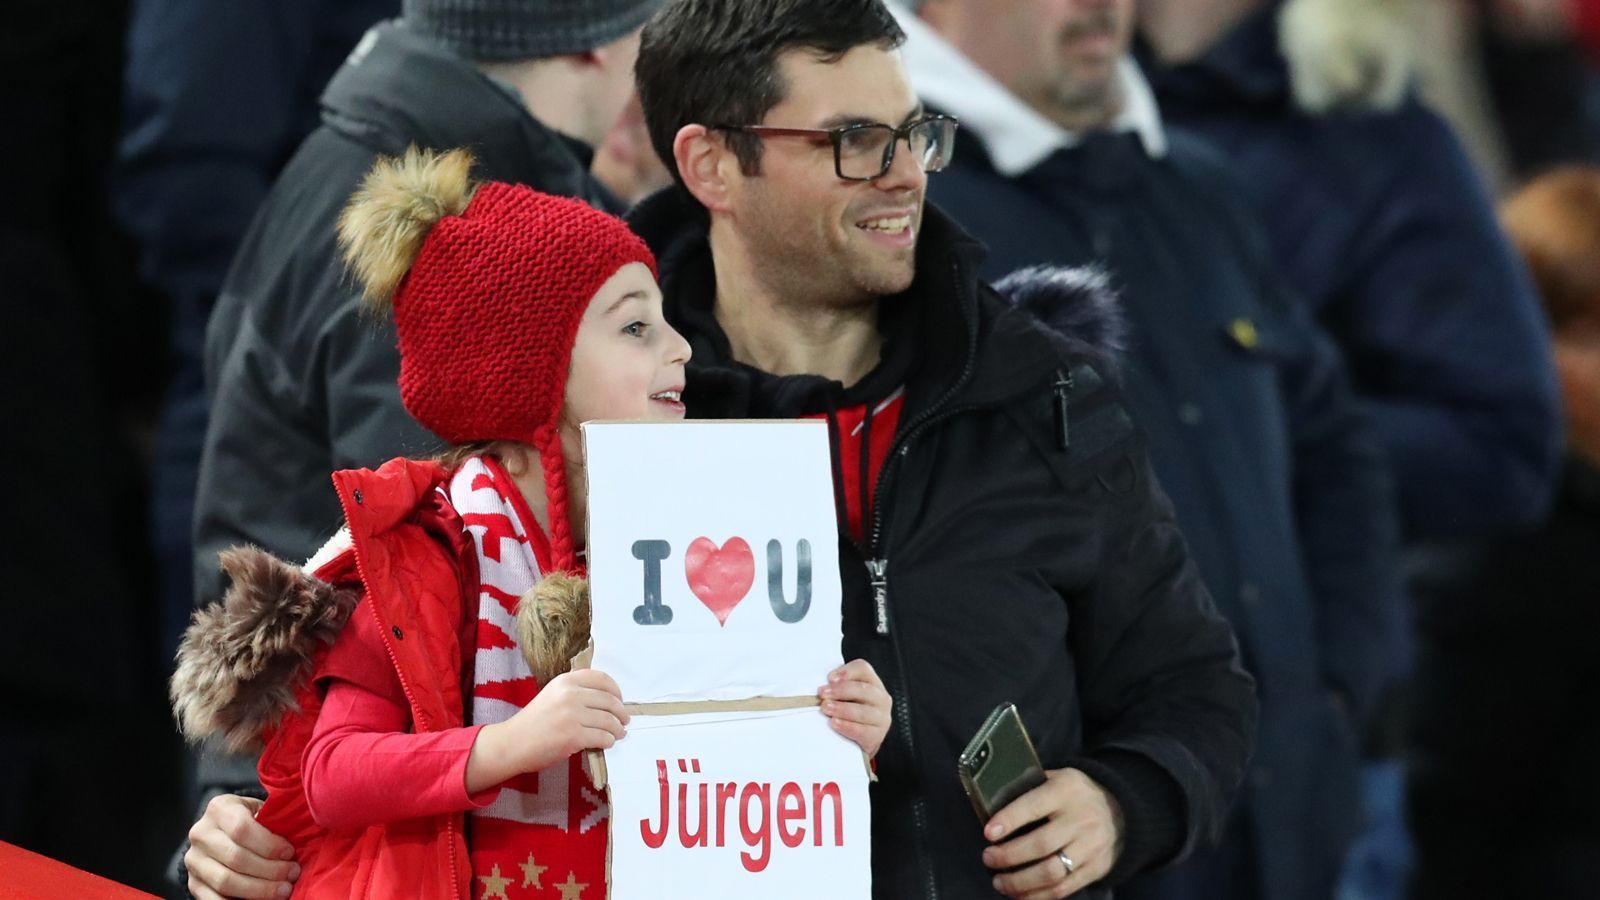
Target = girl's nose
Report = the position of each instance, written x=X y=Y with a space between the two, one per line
x=678 y=348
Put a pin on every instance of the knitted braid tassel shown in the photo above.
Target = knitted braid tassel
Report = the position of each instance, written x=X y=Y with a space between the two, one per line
x=547 y=440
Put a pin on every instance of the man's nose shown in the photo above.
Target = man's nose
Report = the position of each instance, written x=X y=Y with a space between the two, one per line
x=905 y=170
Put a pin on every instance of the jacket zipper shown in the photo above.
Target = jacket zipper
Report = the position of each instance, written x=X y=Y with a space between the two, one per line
x=1062 y=390
x=405 y=686
x=878 y=568
x=878 y=571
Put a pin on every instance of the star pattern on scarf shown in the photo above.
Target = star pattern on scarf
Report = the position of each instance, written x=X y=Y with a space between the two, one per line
x=531 y=872
x=494 y=885
x=573 y=888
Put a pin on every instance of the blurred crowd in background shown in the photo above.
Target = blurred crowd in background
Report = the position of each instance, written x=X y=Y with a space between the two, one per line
x=144 y=134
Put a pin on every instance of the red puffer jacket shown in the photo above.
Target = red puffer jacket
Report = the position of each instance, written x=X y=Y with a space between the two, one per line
x=248 y=668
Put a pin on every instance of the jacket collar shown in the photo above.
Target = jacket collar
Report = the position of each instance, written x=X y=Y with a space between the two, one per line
x=1017 y=137
x=377 y=500
x=951 y=337
x=398 y=88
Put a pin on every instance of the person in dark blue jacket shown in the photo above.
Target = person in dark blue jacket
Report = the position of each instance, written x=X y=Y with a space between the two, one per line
x=1380 y=223
x=1277 y=477
x=217 y=97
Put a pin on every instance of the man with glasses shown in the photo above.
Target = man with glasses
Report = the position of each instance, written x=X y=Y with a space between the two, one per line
x=1002 y=538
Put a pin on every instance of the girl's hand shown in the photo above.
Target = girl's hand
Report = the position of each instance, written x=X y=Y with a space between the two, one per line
x=577 y=711
x=857 y=705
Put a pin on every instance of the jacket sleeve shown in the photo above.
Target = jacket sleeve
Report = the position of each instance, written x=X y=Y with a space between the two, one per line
x=1169 y=713
x=286 y=412
x=1443 y=331
x=364 y=765
x=358 y=377
x=213 y=107
x=1345 y=504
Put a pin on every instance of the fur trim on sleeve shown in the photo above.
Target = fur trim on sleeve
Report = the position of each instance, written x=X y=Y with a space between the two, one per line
x=242 y=660
x=1348 y=54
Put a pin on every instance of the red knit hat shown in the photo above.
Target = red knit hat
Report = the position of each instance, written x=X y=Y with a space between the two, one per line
x=488 y=307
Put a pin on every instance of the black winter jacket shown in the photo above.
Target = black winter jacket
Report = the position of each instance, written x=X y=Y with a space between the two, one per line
x=1026 y=555
x=302 y=384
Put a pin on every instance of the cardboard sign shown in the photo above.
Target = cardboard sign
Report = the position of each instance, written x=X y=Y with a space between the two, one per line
x=713 y=565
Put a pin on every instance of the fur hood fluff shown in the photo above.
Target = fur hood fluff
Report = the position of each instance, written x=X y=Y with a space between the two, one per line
x=243 y=660
x=1347 y=54
x=1078 y=304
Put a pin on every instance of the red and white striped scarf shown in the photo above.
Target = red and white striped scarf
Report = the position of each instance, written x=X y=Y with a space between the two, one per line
x=555 y=816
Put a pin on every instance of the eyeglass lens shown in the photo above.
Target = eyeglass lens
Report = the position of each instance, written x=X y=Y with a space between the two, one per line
x=866 y=152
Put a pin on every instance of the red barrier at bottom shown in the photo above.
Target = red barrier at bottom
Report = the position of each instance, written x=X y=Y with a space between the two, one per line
x=29 y=876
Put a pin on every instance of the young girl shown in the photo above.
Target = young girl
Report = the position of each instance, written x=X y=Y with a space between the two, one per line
x=409 y=749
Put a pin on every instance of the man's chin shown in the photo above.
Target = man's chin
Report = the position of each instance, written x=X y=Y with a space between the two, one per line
x=888 y=280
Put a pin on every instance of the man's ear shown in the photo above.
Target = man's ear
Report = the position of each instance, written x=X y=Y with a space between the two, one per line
x=705 y=164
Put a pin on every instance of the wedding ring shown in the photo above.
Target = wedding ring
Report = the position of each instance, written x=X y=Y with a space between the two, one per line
x=1066 y=861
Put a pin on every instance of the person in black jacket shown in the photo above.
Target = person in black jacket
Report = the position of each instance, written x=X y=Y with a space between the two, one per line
x=218 y=96
x=1002 y=537
x=300 y=384
x=1277 y=476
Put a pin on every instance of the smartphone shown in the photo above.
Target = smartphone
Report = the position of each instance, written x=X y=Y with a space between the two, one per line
x=999 y=764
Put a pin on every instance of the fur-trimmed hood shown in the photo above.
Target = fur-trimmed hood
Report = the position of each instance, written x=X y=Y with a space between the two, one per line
x=243 y=661
x=1315 y=55
x=1077 y=303
x=1347 y=54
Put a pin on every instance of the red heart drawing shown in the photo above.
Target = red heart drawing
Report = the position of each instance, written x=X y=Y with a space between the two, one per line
x=720 y=578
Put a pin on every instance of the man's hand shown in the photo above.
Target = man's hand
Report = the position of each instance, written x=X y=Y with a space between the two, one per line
x=232 y=855
x=1081 y=819
x=857 y=706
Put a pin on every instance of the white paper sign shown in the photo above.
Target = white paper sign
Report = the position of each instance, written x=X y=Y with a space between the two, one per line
x=738 y=806
x=713 y=559
x=714 y=575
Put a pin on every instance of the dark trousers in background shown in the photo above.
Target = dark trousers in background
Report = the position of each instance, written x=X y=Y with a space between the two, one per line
x=1505 y=786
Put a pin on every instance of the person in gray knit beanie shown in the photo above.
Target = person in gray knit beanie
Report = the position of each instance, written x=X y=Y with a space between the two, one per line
x=506 y=30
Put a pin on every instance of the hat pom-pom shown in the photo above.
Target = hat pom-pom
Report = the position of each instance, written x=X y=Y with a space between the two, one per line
x=553 y=624
x=388 y=218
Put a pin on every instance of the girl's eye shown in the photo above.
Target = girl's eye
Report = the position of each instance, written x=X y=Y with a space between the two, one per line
x=635 y=329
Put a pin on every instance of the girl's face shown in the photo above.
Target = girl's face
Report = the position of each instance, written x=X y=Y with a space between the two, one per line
x=627 y=362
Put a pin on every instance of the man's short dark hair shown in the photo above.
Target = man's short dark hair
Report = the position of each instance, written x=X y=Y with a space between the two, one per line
x=715 y=62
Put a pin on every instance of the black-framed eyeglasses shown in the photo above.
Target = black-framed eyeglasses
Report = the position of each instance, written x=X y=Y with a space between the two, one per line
x=865 y=152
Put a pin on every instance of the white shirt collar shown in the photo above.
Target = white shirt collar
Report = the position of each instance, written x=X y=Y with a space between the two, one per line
x=1017 y=137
